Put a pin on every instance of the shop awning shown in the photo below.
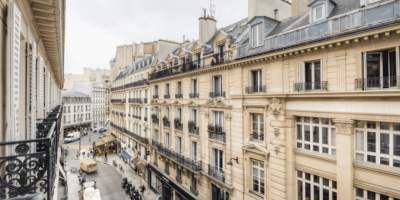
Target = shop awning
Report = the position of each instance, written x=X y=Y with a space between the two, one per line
x=105 y=140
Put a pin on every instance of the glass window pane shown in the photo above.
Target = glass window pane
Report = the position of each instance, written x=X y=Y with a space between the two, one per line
x=371 y=139
x=299 y=190
x=360 y=141
x=324 y=135
x=396 y=145
x=384 y=143
x=299 y=132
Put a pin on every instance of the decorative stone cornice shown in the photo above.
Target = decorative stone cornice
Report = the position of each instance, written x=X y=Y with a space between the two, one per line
x=217 y=103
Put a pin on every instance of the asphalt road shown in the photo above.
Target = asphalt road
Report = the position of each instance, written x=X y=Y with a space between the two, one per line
x=108 y=180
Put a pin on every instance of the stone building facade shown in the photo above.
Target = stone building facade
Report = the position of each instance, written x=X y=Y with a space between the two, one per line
x=77 y=111
x=299 y=107
x=32 y=76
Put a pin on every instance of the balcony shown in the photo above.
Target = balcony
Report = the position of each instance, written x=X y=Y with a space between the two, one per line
x=135 y=100
x=155 y=119
x=156 y=96
x=130 y=85
x=216 y=173
x=117 y=101
x=193 y=129
x=217 y=94
x=216 y=133
x=255 y=89
x=257 y=137
x=219 y=58
x=194 y=95
x=166 y=122
x=178 y=124
x=134 y=135
x=311 y=86
x=167 y=96
x=378 y=83
x=145 y=119
x=179 y=96
x=145 y=100
x=29 y=166
x=178 y=158
x=182 y=68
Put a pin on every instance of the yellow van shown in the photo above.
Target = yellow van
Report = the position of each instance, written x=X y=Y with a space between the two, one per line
x=88 y=165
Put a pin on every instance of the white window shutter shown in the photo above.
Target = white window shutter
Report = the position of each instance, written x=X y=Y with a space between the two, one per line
x=15 y=72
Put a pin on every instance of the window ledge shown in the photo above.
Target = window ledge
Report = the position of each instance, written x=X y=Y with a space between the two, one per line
x=377 y=168
x=256 y=194
x=326 y=157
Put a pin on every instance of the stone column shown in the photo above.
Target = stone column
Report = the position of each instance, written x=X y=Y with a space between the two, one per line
x=344 y=158
x=290 y=133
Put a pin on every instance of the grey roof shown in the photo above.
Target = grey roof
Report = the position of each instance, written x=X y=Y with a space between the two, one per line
x=346 y=17
x=72 y=93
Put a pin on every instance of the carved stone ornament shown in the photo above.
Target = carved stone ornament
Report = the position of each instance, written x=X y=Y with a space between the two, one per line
x=275 y=106
x=216 y=103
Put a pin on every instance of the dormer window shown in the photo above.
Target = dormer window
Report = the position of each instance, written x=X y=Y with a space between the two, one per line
x=318 y=12
x=256 y=38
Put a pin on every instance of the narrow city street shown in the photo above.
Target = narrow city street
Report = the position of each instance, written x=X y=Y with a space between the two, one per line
x=108 y=178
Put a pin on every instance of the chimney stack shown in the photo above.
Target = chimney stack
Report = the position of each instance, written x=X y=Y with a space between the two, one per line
x=274 y=9
x=299 y=7
x=207 y=27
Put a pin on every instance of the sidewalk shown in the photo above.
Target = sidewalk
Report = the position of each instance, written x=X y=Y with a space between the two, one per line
x=130 y=174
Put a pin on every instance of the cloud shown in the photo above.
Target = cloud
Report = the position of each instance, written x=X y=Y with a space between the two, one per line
x=95 y=27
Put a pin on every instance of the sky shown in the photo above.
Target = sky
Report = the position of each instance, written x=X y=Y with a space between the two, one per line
x=95 y=27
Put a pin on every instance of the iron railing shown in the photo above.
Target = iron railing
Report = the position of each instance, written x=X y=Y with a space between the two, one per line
x=178 y=124
x=156 y=96
x=155 y=119
x=217 y=94
x=29 y=166
x=216 y=172
x=135 y=100
x=377 y=82
x=193 y=95
x=216 y=133
x=167 y=96
x=255 y=89
x=193 y=129
x=134 y=135
x=118 y=101
x=188 y=163
x=310 y=86
x=179 y=96
x=166 y=122
x=130 y=85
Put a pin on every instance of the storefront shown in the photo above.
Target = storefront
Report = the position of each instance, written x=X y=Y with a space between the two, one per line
x=107 y=144
x=168 y=189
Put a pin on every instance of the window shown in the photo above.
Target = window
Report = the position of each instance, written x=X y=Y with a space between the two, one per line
x=178 y=175
x=179 y=88
x=256 y=81
x=316 y=135
x=312 y=75
x=193 y=186
x=256 y=36
x=218 y=119
x=194 y=151
x=167 y=140
x=179 y=114
x=179 y=145
x=194 y=86
x=257 y=171
x=217 y=159
x=313 y=187
x=193 y=116
x=156 y=90
x=318 y=12
x=167 y=89
x=378 y=143
x=362 y=194
x=257 y=127
x=380 y=69
x=167 y=167
x=217 y=86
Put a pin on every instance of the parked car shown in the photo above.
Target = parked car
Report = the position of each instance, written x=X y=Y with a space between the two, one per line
x=102 y=130
x=72 y=137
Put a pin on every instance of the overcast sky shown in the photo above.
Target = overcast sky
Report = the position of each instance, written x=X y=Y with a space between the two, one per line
x=95 y=27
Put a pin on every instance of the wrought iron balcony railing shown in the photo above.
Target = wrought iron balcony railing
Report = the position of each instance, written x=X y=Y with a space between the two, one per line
x=310 y=86
x=117 y=101
x=188 y=163
x=167 y=96
x=134 y=135
x=166 y=122
x=193 y=128
x=216 y=172
x=156 y=96
x=255 y=89
x=129 y=85
x=217 y=94
x=178 y=124
x=216 y=133
x=179 y=96
x=145 y=100
x=376 y=83
x=28 y=167
x=135 y=100
x=193 y=95
x=257 y=136
x=155 y=119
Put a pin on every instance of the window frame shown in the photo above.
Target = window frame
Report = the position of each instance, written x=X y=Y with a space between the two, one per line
x=259 y=166
x=260 y=127
x=301 y=177
x=314 y=12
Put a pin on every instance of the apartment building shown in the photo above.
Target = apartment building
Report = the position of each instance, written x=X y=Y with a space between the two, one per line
x=282 y=105
x=32 y=77
x=130 y=100
x=77 y=113
x=96 y=83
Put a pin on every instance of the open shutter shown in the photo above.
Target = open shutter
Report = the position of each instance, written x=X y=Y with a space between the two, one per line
x=32 y=89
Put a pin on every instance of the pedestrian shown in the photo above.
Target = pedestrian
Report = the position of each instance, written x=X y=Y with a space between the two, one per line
x=105 y=156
